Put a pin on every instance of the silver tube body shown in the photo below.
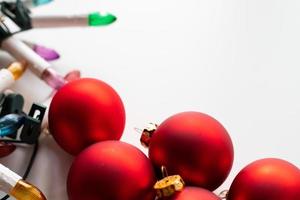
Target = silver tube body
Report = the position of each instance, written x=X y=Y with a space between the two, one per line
x=22 y=52
x=59 y=21
x=8 y=179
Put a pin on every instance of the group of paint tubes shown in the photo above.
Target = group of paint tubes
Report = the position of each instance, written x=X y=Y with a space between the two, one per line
x=36 y=58
x=28 y=57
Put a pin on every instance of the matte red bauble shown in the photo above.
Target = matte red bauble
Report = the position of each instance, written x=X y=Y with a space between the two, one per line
x=111 y=170
x=195 y=146
x=266 y=179
x=84 y=112
x=194 y=193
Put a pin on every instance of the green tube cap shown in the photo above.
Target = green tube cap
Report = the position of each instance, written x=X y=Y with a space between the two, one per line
x=96 y=19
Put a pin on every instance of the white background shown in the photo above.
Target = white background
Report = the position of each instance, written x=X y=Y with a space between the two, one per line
x=236 y=60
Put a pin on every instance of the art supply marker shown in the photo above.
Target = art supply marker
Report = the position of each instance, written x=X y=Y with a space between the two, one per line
x=32 y=2
x=47 y=53
x=92 y=19
x=6 y=149
x=12 y=184
x=10 y=123
x=36 y=64
x=40 y=2
x=9 y=75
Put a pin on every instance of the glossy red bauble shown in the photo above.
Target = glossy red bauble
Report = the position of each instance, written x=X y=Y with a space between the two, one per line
x=111 y=170
x=195 y=146
x=194 y=193
x=266 y=179
x=84 y=112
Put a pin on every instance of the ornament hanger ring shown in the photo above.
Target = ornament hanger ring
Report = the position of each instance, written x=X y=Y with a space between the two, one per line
x=164 y=171
x=223 y=194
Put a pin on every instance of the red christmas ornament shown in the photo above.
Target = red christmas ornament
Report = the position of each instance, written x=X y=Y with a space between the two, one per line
x=111 y=170
x=84 y=112
x=266 y=179
x=194 y=193
x=195 y=146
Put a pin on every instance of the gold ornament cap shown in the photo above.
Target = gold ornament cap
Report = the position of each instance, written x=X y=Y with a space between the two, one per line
x=26 y=191
x=168 y=186
x=147 y=134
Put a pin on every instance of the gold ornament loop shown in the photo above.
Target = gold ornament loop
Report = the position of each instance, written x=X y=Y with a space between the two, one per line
x=164 y=171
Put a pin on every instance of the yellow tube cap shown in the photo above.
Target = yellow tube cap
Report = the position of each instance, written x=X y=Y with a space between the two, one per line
x=17 y=69
x=26 y=191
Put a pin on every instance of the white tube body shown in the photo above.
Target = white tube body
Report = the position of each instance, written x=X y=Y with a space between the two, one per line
x=22 y=52
x=6 y=79
x=8 y=179
x=59 y=21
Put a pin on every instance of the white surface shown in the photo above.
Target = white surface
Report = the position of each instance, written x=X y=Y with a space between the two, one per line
x=236 y=60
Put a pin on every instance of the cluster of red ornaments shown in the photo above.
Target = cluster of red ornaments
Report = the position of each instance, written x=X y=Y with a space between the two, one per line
x=87 y=118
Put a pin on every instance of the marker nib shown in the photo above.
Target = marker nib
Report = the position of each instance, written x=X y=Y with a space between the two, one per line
x=97 y=19
x=41 y=2
x=47 y=53
x=26 y=191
